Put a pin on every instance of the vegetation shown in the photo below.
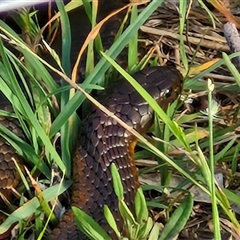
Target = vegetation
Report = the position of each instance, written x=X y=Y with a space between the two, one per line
x=192 y=146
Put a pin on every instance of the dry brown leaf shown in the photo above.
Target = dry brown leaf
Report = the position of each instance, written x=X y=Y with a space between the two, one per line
x=222 y=8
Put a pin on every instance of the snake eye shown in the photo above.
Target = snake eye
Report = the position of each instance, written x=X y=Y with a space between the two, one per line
x=167 y=93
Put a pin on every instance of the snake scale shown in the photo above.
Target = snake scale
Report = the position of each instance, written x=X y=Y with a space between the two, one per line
x=103 y=141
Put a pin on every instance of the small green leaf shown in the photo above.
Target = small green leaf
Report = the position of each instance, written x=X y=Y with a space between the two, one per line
x=117 y=183
x=231 y=68
x=156 y=205
x=154 y=234
x=145 y=228
x=126 y=213
x=140 y=206
x=87 y=225
x=178 y=219
x=111 y=221
x=232 y=196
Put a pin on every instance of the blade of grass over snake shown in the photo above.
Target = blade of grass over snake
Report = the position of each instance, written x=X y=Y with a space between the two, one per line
x=103 y=65
x=151 y=102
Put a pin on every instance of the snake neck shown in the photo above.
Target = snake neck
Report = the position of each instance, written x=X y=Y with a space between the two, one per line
x=103 y=142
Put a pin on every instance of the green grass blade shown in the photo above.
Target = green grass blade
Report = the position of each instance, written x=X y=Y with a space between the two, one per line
x=178 y=219
x=30 y=207
x=103 y=65
x=86 y=224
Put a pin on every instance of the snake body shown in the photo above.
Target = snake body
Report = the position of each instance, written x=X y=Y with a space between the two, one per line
x=9 y=177
x=103 y=141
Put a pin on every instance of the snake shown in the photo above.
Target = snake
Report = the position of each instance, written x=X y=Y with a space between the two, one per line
x=103 y=141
